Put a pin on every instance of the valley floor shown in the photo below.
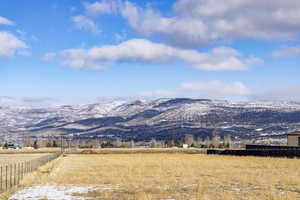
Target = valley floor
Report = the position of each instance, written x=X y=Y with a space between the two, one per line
x=163 y=176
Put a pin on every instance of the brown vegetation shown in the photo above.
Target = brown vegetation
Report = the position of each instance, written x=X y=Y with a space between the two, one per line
x=176 y=176
x=138 y=150
x=6 y=159
x=21 y=151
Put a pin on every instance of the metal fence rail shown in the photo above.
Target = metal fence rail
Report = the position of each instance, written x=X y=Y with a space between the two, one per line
x=12 y=174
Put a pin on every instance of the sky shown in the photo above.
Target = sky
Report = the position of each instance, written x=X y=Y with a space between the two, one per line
x=67 y=51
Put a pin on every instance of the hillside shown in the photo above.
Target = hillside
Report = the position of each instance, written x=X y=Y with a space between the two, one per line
x=161 y=119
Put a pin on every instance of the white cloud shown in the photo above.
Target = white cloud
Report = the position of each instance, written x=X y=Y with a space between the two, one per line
x=102 y=7
x=217 y=89
x=9 y=45
x=144 y=51
x=199 y=22
x=287 y=52
x=6 y=21
x=79 y=58
x=85 y=23
x=49 y=56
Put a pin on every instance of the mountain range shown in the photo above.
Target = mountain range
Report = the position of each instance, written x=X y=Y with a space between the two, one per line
x=162 y=119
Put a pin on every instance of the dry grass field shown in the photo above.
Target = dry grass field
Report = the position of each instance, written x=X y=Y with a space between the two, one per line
x=40 y=150
x=139 y=150
x=172 y=176
x=6 y=159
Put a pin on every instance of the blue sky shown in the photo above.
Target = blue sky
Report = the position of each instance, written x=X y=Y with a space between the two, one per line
x=68 y=51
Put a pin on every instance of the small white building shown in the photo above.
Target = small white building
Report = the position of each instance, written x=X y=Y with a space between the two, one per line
x=293 y=139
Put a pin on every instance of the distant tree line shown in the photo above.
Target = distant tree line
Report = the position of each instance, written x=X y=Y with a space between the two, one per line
x=189 y=140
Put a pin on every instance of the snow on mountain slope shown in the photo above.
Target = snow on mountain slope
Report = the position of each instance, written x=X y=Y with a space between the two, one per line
x=153 y=116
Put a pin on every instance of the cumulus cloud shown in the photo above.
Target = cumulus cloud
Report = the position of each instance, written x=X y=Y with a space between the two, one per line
x=145 y=51
x=85 y=23
x=287 y=52
x=199 y=22
x=6 y=21
x=102 y=7
x=10 y=44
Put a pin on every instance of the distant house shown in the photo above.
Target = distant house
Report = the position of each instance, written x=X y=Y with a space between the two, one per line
x=9 y=145
x=294 y=139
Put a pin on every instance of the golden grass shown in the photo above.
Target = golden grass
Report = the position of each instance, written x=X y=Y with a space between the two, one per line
x=41 y=150
x=176 y=176
x=6 y=159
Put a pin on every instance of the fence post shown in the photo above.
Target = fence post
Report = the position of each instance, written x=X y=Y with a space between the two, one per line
x=1 y=180
x=15 y=174
x=6 y=177
x=22 y=171
x=10 y=179
x=12 y=174
x=18 y=173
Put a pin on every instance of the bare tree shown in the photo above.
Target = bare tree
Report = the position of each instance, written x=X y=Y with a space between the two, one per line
x=215 y=140
x=189 y=139
x=132 y=145
x=117 y=143
x=153 y=143
x=207 y=142
x=227 y=141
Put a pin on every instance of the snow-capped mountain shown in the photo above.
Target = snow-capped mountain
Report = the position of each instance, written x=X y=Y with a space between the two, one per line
x=161 y=118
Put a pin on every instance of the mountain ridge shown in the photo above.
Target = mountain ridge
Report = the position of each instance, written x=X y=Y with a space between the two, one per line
x=168 y=118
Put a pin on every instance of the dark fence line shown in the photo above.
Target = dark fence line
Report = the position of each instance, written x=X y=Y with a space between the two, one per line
x=258 y=152
x=12 y=174
x=270 y=147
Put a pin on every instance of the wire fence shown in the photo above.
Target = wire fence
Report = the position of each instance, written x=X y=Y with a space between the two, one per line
x=12 y=174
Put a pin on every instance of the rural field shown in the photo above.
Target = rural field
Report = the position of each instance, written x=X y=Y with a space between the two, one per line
x=6 y=159
x=162 y=176
x=21 y=151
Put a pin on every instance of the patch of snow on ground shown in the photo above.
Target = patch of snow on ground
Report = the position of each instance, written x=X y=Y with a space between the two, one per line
x=51 y=193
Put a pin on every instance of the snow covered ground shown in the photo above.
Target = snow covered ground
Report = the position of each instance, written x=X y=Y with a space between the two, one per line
x=50 y=192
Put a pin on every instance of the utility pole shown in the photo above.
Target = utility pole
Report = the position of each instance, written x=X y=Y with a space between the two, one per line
x=61 y=144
